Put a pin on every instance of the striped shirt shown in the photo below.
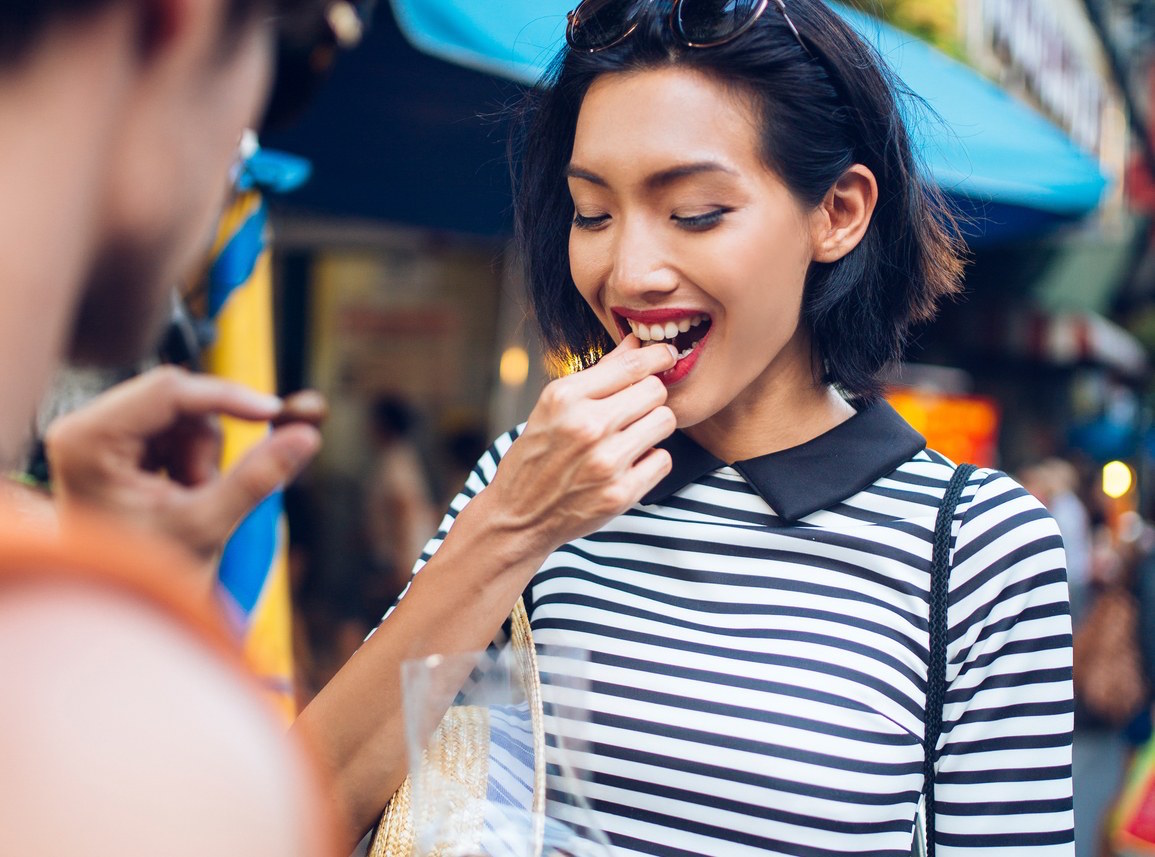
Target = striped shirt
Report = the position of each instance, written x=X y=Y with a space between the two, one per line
x=756 y=638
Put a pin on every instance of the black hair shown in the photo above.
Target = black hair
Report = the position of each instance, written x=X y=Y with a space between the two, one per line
x=393 y=416
x=825 y=105
x=23 y=22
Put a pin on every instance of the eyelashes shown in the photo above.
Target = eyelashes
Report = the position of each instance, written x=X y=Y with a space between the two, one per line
x=701 y=222
x=694 y=223
x=582 y=222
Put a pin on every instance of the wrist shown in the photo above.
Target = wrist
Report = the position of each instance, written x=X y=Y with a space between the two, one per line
x=499 y=546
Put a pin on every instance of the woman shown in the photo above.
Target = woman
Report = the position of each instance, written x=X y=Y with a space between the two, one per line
x=721 y=199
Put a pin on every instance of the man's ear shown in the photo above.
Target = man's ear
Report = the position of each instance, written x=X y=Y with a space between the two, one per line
x=164 y=22
x=843 y=216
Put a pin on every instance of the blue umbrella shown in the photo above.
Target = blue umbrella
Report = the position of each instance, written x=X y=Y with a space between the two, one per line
x=1006 y=164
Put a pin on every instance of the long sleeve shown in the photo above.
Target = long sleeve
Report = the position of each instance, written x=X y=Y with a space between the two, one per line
x=1004 y=776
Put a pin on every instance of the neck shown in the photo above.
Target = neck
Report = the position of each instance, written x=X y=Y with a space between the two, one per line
x=781 y=413
x=58 y=119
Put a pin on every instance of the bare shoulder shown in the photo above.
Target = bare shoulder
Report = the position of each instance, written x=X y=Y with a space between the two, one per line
x=130 y=733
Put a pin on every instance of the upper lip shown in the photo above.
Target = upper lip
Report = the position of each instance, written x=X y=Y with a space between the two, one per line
x=624 y=316
x=657 y=316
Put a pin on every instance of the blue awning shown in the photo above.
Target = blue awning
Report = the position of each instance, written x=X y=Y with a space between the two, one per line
x=1010 y=168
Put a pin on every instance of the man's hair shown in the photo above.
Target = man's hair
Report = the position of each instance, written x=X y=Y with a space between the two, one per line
x=823 y=108
x=23 y=22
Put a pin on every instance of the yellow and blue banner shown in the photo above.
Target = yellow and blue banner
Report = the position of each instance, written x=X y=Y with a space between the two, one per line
x=254 y=572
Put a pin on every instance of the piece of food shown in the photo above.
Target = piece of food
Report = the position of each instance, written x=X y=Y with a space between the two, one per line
x=306 y=406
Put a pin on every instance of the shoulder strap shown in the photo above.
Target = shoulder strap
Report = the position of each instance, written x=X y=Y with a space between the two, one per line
x=936 y=666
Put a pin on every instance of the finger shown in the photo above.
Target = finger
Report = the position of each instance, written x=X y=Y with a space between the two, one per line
x=627 y=364
x=627 y=406
x=647 y=472
x=190 y=452
x=636 y=440
x=263 y=469
x=157 y=399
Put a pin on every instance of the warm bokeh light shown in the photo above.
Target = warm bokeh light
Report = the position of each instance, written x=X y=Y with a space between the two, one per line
x=514 y=366
x=1117 y=479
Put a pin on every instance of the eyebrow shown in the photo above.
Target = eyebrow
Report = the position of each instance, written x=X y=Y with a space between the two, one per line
x=658 y=180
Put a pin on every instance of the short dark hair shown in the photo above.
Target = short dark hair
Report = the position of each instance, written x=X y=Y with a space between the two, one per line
x=22 y=22
x=824 y=108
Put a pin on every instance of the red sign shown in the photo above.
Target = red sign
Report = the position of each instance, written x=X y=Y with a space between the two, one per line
x=963 y=428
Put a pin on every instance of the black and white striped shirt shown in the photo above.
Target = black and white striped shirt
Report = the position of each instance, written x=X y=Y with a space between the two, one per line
x=757 y=636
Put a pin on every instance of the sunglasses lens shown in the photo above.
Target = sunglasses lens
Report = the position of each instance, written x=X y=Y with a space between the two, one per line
x=597 y=24
x=708 y=22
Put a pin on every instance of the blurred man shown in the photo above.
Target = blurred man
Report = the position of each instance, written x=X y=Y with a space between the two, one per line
x=125 y=732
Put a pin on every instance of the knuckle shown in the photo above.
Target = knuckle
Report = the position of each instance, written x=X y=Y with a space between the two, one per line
x=666 y=417
x=600 y=466
x=663 y=461
x=616 y=498
x=653 y=388
x=555 y=396
x=168 y=378
x=636 y=362
x=584 y=430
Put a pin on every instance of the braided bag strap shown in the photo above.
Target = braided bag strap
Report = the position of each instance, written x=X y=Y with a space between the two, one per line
x=936 y=668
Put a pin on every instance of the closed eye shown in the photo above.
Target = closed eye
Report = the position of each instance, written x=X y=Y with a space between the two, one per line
x=701 y=222
x=580 y=221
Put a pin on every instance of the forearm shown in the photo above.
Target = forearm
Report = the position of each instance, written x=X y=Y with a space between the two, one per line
x=456 y=603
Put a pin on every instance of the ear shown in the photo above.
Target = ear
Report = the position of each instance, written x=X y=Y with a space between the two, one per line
x=164 y=23
x=841 y=219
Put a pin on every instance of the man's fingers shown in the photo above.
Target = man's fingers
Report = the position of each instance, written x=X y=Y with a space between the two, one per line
x=157 y=399
x=189 y=452
x=627 y=364
x=263 y=469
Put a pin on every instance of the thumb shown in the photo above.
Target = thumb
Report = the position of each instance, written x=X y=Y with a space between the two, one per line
x=277 y=459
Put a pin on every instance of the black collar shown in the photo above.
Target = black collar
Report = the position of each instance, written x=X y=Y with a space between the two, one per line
x=815 y=475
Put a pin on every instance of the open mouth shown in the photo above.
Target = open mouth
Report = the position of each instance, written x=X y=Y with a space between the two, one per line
x=684 y=333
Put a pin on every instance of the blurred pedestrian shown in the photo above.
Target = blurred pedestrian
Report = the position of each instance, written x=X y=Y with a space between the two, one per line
x=399 y=513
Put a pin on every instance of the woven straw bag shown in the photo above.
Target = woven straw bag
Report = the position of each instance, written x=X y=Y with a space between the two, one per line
x=460 y=751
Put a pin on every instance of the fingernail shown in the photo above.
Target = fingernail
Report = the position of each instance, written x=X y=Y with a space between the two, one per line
x=265 y=401
x=673 y=351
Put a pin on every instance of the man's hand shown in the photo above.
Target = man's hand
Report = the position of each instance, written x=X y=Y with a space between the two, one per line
x=147 y=451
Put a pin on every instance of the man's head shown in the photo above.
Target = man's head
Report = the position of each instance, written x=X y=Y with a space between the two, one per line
x=192 y=75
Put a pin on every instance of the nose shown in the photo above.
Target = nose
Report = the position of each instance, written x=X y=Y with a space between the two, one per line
x=642 y=264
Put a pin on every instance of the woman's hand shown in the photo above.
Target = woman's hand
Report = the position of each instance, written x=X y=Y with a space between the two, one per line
x=147 y=451
x=587 y=452
x=586 y=455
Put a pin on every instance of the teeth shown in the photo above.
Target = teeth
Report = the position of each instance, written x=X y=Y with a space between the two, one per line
x=662 y=332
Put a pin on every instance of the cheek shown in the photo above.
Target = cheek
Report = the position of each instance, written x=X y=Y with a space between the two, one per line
x=587 y=271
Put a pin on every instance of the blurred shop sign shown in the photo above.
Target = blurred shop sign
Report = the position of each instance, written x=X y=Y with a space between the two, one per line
x=963 y=428
x=1044 y=49
x=1071 y=339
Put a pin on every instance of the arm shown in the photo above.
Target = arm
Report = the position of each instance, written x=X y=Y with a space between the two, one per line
x=1004 y=776
x=147 y=452
x=585 y=456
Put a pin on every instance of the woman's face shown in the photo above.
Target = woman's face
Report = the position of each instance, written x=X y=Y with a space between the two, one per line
x=681 y=233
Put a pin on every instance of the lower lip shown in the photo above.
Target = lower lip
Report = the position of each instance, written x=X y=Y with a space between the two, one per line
x=684 y=366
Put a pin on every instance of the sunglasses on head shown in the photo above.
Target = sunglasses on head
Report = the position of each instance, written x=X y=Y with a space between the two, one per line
x=599 y=24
